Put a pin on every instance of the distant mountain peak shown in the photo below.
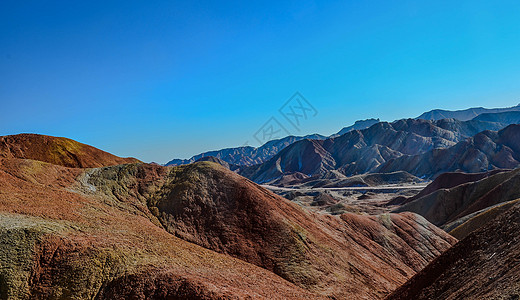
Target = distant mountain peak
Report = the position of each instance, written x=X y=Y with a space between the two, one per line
x=463 y=115
x=247 y=155
x=358 y=125
x=410 y=145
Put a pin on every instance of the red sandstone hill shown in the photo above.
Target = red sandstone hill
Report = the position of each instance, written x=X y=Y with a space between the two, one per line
x=352 y=256
x=136 y=231
x=484 y=265
x=58 y=151
x=60 y=238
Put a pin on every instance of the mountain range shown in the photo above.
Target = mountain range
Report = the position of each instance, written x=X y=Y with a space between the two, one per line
x=77 y=222
x=247 y=155
x=200 y=231
x=372 y=146
x=484 y=151
x=464 y=115
x=389 y=147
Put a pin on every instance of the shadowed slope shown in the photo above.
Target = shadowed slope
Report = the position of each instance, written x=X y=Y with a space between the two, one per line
x=449 y=180
x=58 y=151
x=484 y=265
x=474 y=221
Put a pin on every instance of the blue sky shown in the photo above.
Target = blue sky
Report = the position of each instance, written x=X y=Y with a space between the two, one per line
x=170 y=79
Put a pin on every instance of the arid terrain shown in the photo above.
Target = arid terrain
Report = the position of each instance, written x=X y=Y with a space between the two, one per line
x=80 y=223
x=200 y=231
x=240 y=150
x=335 y=201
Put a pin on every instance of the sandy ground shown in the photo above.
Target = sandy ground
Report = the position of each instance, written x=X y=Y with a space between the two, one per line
x=364 y=200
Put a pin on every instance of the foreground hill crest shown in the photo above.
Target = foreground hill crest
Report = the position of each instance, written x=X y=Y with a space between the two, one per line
x=57 y=150
x=197 y=231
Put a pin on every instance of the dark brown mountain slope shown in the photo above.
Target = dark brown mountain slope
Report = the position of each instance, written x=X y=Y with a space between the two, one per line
x=474 y=221
x=484 y=265
x=58 y=151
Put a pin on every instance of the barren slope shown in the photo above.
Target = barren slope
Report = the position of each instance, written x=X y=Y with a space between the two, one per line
x=130 y=231
x=87 y=232
x=60 y=238
x=485 y=151
x=404 y=145
x=445 y=206
x=218 y=209
x=58 y=151
x=484 y=265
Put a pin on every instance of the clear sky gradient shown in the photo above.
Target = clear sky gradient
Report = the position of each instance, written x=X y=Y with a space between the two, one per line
x=169 y=79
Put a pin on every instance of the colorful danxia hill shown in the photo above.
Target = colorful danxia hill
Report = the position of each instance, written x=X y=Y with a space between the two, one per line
x=77 y=227
x=413 y=209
